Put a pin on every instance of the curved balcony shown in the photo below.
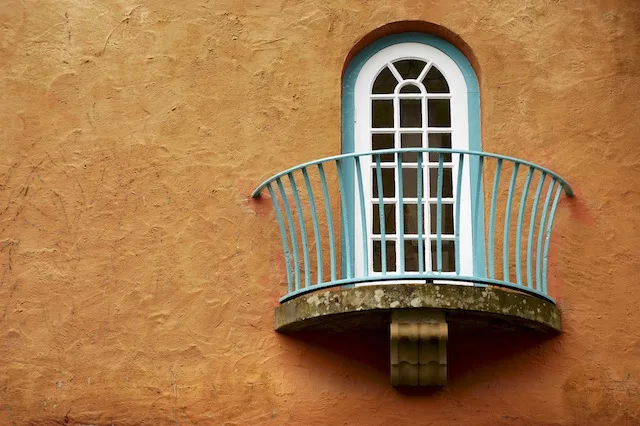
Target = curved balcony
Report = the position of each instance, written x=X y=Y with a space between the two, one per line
x=510 y=232
x=416 y=239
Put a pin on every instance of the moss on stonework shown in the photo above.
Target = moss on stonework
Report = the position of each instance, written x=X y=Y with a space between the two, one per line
x=370 y=307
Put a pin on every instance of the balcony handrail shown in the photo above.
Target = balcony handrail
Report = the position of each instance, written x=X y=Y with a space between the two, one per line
x=565 y=185
x=297 y=233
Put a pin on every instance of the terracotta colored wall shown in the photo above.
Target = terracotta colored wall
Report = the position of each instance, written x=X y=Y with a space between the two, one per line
x=137 y=284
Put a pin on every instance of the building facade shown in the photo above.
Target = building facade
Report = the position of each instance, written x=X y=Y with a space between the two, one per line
x=139 y=278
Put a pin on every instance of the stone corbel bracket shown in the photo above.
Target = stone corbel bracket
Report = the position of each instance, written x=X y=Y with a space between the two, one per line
x=418 y=348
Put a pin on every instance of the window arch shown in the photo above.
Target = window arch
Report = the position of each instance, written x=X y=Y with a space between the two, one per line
x=409 y=91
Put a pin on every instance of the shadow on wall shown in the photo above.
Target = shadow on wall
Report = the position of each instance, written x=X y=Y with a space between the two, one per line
x=474 y=357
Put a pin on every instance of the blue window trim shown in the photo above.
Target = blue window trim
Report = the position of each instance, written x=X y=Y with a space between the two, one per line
x=473 y=96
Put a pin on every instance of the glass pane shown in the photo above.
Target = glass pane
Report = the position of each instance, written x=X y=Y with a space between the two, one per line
x=409 y=68
x=389 y=219
x=391 y=256
x=410 y=88
x=447 y=219
x=439 y=113
x=411 y=256
x=410 y=140
x=411 y=218
x=388 y=182
x=382 y=141
x=409 y=182
x=385 y=82
x=435 y=82
x=439 y=140
x=448 y=256
x=382 y=113
x=447 y=184
x=411 y=112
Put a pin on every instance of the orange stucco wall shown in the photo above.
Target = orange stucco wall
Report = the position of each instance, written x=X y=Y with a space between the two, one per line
x=137 y=283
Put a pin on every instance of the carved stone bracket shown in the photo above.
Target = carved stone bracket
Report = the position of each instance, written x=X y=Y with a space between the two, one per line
x=418 y=348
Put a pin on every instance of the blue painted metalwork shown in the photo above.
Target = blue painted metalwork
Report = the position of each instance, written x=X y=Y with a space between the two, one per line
x=546 y=241
x=327 y=207
x=283 y=235
x=477 y=227
x=400 y=214
x=458 y=202
x=507 y=223
x=439 y=214
x=292 y=231
x=347 y=237
x=314 y=220
x=383 y=232
x=492 y=217
x=356 y=168
x=523 y=203
x=479 y=154
x=303 y=231
x=532 y=224
x=545 y=208
x=363 y=219
x=347 y=243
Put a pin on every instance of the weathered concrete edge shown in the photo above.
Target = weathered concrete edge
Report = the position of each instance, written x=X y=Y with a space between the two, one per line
x=517 y=308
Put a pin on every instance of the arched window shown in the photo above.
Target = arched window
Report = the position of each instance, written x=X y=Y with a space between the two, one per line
x=413 y=91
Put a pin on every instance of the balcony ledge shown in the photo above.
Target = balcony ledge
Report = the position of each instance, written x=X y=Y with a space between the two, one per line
x=371 y=306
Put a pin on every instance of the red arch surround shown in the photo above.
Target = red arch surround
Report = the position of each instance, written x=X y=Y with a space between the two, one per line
x=418 y=27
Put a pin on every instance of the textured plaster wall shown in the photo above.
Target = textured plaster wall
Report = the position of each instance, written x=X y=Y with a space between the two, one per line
x=137 y=283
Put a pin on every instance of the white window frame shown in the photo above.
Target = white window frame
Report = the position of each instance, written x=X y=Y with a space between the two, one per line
x=459 y=140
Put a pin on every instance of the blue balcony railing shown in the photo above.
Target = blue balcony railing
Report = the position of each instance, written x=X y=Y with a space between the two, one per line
x=332 y=235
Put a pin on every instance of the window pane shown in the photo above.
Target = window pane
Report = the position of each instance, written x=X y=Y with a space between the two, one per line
x=389 y=219
x=410 y=88
x=409 y=182
x=447 y=218
x=391 y=256
x=411 y=256
x=448 y=256
x=439 y=113
x=411 y=218
x=439 y=140
x=435 y=82
x=410 y=140
x=382 y=113
x=447 y=184
x=382 y=141
x=385 y=82
x=409 y=68
x=411 y=112
x=388 y=182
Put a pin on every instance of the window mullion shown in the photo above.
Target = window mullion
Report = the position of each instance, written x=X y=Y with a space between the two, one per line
x=395 y=72
x=424 y=71
x=427 y=187
x=397 y=144
x=425 y=244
